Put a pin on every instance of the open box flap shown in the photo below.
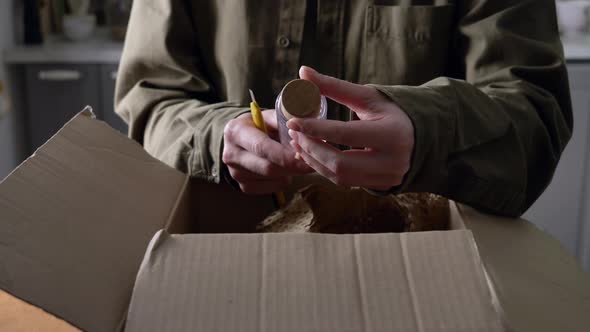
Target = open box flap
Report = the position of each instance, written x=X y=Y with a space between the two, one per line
x=540 y=286
x=75 y=219
x=430 y=281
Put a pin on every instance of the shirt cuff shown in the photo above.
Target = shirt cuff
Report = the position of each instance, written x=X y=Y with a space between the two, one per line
x=207 y=159
x=431 y=113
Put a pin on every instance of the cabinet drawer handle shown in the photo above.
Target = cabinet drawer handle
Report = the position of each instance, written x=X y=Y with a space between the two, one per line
x=114 y=75
x=59 y=75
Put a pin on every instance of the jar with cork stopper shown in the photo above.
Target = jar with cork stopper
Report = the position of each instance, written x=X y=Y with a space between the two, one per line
x=298 y=99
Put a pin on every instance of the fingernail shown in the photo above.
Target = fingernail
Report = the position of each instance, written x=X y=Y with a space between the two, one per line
x=293 y=125
x=297 y=156
x=293 y=134
x=311 y=70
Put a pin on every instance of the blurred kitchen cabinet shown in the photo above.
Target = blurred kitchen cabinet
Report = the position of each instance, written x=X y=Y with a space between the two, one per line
x=108 y=76
x=580 y=78
x=55 y=93
x=563 y=209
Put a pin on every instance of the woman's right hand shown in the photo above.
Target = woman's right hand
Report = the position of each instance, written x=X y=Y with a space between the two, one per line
x=255 y=160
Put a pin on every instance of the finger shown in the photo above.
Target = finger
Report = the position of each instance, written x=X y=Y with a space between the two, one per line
x=351 y=133
x=258 y=143
x=270 y=117
x=318 y=167
x=241 y=174
x=395 y=168
x=346 y=93
x=257 y=165
x=340 y=163
x=360 y=179
x=386 y=173
x=262 y=187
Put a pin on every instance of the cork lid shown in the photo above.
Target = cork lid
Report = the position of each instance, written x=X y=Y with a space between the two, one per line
x=300 y=99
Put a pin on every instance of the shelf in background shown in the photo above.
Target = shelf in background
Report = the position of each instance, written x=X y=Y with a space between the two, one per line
x=577 y=49
x=99 y=49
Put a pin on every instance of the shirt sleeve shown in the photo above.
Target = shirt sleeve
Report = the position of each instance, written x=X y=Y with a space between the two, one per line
x=163 y=92
x=493 y=139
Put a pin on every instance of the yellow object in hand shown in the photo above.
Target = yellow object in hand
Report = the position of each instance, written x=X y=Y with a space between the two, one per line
x=257 y=114
x=260 y=124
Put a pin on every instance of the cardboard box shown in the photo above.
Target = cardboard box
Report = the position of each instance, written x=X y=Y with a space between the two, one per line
x=96 y=231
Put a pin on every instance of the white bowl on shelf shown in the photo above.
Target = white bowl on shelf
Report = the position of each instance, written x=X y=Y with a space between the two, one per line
x=78 y=27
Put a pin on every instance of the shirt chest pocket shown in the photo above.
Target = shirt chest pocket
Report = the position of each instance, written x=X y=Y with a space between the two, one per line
x=405 y=44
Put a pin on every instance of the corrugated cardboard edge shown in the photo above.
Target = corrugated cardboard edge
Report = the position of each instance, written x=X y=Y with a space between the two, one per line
x=540 y=285
x=155 y=263
x=457 y=222
x=87 y=112
x=180 y=218
x=159 y=238
x=455 y=219
x=88 y=115
x=495 y=300
x=173 y=224
x=148 y=261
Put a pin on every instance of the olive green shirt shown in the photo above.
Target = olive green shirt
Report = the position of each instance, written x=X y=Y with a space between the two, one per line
x=483 y=81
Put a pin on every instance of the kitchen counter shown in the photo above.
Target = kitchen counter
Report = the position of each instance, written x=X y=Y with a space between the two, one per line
x=100 y=49
x=577 y=50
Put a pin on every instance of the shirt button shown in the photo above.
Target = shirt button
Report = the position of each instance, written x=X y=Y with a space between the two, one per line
x=284 y=42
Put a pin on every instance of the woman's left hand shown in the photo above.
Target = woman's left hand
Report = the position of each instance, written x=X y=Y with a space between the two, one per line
x=382 y=140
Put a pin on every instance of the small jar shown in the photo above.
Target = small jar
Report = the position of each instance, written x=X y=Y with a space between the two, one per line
x=298 y=99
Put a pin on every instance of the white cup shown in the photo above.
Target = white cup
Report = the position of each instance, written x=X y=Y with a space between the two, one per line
x=78 y=27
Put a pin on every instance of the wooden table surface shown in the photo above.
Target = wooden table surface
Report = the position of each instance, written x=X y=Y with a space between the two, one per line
x=19 y=316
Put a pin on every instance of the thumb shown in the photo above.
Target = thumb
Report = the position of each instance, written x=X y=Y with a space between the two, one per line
x=354 y=96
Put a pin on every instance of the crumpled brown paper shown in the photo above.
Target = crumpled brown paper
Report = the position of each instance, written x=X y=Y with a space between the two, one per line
x=339 y=210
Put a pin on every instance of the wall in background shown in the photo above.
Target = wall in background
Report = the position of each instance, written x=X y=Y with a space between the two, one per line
x=9 y=154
